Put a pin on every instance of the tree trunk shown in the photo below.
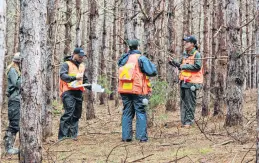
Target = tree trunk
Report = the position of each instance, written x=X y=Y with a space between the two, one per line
x=16 y=27
x=2 y=51
x=220 y=64
x=249 y=57
x=47 y=74
x=93 y=57
x=257 y=52
x=254 y=60
x=104 y=52
x=114 y=82
x=186 y=18
x=236 y=66
x=172 y=98
x=129 y=19
x=68 y=25
x=33 y=42
x=206 y=86
x=214 y=44
x=78 y=15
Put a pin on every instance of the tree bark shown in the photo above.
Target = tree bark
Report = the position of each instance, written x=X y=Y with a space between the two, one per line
x=78 y=15
x=16 y=27
x=32 y=49
x=93 y=57
x=206 y=86
x=129 y=11
x=2 y=52
x=220 y=64
x=257 y=52
x=104 y=55
x=236 y=66
x=68 y=25
x=114 y=82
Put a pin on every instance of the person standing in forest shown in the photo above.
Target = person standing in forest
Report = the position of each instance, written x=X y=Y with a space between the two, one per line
x=134 y=87
x=191 y=78
x=13 y=73
x=72 y=75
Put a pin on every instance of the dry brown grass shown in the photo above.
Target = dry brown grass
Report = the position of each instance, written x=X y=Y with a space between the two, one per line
x=100 y=140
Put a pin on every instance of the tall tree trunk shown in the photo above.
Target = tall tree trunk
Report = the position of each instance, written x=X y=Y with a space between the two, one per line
x=220 y=64
x=33 y=42
x=47 y=63
x=2 y=52
x=249 y=61
x=114 y=83
x=257 y=52
x=186 y=18
x=104 y=55
x=56 y=58
x=16 y=27
x=68 y=25
x=171 y=101
x=78 y=15
x=254 y=60
x=129 y=11
x=93 y=57
x=206 y=87
x=214 y=43
x=236 y=66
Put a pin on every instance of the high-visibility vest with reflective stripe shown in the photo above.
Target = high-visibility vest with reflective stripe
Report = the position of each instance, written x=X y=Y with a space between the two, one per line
x=188 y=76
x=131 y=79
x=73 y=70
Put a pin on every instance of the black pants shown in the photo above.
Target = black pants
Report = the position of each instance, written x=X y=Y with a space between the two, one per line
x=13 y=116
x=72 y=103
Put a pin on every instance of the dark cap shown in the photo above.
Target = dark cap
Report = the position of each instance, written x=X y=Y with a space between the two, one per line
x=133 y=43
x=191 y=39
x=79 y=51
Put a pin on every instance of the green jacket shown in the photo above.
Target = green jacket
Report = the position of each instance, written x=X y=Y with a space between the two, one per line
x=13 y=85
x=192 y=67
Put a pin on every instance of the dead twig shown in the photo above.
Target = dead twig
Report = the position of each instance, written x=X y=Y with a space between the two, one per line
x=112 y=151
x=177 y=159
x=203 y=132
x=142 y=158
x=247 y=152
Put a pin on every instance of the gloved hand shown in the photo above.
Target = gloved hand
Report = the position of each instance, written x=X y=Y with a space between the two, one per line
x=89 y=87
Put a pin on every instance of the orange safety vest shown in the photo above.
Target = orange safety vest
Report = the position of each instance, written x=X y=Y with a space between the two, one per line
x=73 y=70
x=131 y=79
x=187 y=76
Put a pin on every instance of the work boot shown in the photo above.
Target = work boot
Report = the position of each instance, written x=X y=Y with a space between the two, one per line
x=9 y=142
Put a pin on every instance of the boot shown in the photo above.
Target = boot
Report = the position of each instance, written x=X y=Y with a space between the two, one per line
x=9 y=142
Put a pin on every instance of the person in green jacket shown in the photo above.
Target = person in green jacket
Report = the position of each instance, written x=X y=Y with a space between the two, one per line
x=189 y=88
x=13 y=93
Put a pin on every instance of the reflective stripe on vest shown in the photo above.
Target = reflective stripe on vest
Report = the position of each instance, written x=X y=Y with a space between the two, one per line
x=73 y=70
x=191 y=76
x=131 y=79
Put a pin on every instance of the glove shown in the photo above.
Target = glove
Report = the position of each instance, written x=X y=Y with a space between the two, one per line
x=88 y=87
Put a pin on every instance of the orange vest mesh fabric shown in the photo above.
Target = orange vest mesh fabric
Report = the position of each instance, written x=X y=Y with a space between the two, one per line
x=187 y=76
x=131 y=79
x=72 y=71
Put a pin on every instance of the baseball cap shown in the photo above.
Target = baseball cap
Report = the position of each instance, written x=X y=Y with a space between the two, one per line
x=134 y=43
x=191 y=39
x=79 y=51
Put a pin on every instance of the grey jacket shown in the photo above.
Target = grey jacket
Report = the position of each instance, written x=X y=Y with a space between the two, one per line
x=13 y=85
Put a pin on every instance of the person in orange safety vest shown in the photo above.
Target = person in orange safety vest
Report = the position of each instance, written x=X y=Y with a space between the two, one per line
x=191 y=78
x=72 y=75
x=134 y=86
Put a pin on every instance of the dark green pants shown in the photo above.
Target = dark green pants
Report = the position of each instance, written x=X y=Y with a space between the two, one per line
x=72 y=103
x=188 y=104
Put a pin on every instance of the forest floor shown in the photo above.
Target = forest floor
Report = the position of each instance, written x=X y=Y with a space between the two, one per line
x=207 y=142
